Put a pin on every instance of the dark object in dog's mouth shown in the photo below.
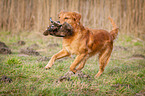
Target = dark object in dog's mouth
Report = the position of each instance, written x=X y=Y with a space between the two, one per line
x=58 y=30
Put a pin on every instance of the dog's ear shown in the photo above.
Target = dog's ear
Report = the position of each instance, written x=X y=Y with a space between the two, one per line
x=77 y=16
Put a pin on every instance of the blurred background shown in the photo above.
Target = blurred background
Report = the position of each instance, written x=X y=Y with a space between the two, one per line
x=33 y=15
x=25 y=51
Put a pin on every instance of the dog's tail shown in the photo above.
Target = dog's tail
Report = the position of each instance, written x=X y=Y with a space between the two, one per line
x=114 y=31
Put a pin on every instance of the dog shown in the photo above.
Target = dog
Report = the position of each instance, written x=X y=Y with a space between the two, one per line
x=85 y=43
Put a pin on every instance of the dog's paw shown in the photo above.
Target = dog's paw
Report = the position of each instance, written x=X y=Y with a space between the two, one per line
x=97 y=76
x=47 y=67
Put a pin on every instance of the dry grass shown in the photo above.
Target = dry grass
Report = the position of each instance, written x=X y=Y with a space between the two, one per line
x=33 y=15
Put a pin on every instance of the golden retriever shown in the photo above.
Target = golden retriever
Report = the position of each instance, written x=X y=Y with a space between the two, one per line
x=85 y=43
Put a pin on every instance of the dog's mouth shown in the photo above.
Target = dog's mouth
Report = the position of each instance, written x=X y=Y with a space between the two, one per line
x=58 y=30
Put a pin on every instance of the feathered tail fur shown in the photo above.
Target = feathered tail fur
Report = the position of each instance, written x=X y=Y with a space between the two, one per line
x=114 y=31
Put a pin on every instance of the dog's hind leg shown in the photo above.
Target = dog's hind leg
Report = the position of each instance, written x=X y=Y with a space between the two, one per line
x=103 y=60
x=60 y=54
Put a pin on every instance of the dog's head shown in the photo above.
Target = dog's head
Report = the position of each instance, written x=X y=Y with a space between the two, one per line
x=70 y=17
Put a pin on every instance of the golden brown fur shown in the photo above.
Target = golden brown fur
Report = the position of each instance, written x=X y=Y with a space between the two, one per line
x=85 y=43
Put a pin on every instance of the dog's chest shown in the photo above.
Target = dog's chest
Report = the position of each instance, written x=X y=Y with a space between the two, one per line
x=72 y=48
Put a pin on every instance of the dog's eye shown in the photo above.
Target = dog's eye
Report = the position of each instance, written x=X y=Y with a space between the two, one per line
x=66 y=18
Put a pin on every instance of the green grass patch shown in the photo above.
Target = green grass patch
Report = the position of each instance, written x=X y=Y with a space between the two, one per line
x=138 y=44
x=13 y=61
x=123 y=76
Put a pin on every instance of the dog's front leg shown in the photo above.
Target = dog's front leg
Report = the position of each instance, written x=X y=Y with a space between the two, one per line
x=82 y=64
x=60 y=54
x=77 y=60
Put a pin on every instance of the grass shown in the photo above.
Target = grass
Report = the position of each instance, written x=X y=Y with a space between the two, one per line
x=123 y=75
